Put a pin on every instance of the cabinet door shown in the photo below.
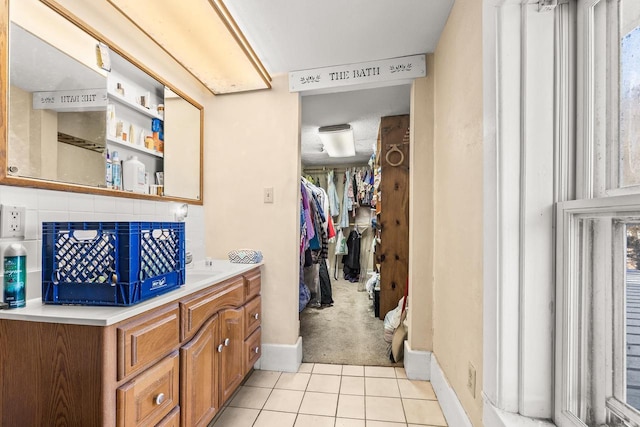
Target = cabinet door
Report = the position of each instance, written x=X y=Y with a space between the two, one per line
x=199 y=362
x=232 y=338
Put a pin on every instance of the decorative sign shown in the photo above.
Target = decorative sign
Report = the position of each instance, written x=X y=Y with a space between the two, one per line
x=70 y=100
x=403 y=68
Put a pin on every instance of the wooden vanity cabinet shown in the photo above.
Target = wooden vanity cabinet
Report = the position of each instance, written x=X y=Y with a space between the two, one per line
x=213 y=357
x=174 y=365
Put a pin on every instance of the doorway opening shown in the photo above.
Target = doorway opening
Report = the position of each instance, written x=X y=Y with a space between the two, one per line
x=341 y=321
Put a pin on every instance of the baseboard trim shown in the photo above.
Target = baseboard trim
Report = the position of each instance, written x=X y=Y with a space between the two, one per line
x=451 y=406
x=417 y=364
x=492 y=416
x=280 y=357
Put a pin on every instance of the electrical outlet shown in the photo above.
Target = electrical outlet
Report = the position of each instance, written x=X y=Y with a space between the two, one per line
x=471 y=380
x=12 y=221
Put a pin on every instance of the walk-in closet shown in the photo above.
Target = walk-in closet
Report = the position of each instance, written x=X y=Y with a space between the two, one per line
x=354 y=252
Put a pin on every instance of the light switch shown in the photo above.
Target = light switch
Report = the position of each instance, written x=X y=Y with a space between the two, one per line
x=268 y=194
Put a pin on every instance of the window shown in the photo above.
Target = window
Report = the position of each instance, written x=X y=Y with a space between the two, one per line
x=598 y=286
x=630 y=101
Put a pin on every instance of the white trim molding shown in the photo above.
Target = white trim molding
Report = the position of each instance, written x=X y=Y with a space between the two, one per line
x=280 y=357
x=447 y=398
x=417 y=364
x=494 y=417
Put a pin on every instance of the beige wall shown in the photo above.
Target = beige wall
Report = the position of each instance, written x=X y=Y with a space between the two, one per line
x=421 y=212
x=256 y=145
x=457 y=321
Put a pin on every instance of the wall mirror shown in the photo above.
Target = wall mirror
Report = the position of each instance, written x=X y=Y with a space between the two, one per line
x=73 y=100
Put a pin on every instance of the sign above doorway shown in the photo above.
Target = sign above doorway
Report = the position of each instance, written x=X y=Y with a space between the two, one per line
x=372 y=73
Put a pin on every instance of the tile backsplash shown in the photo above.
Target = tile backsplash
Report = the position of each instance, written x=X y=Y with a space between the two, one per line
x=46 y=205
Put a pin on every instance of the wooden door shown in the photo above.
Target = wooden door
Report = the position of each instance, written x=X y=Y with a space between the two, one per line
x=392 y=254
x=232 y=339
x=200 y=362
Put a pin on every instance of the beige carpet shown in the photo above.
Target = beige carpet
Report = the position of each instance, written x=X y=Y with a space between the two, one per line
x=346 y=333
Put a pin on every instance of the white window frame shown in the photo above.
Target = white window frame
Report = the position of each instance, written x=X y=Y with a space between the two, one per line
x=528 y=166
x=590 y=321
x=591 y=312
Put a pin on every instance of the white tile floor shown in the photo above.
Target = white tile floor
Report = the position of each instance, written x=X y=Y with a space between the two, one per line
x=321 y=395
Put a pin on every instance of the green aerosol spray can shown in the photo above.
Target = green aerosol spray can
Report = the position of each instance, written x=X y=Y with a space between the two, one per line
x=15 y=275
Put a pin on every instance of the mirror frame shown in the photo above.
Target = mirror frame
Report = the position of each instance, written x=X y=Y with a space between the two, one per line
x=6 y=179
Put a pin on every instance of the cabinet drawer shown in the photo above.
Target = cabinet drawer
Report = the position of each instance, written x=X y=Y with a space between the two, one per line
x=252 y=284
x=252 y=350
x=252 y=315
x=171 y=420
x=146 y=339
x=149 y=397
x=199 y=308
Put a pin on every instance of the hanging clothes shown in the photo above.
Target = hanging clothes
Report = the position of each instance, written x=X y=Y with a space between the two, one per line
x=316 y=227
x=332 y=192
x=351 y=261
x=325 y=284
x=347 y=203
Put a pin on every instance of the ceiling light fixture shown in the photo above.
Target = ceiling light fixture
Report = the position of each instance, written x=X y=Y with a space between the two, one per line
x=203 y=37
x=337 y=140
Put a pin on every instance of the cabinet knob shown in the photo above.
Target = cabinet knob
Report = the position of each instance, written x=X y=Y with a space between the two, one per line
x=256 y=316
x=226 y=342
x=159 y=399
x=220 y=347
x=257 y=350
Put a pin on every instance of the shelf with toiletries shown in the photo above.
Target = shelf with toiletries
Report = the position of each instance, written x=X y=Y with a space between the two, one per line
x=147 y=111
x=135 y=128
x=135 y=147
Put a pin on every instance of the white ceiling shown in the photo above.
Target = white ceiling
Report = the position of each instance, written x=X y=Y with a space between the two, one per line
x=302 y=34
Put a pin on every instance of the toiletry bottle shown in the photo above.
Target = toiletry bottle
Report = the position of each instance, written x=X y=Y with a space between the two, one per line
x=15 y=275
x=120 y=89
x=133 y=172
x=108 y=170
x=116 y=170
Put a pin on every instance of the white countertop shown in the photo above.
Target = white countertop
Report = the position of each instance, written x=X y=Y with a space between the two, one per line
x=197 y=279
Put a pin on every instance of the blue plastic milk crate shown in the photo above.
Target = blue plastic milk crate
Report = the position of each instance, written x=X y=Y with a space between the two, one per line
x=111 y=263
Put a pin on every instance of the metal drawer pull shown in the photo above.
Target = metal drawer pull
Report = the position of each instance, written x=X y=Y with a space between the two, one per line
x=257 y=350
x=220 y=347
x=226 y=342
x=159 y=399
x=256 y=316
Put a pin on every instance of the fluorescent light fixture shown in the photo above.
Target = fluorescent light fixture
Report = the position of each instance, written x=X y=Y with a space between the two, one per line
x=337 y=140
x=203 y=37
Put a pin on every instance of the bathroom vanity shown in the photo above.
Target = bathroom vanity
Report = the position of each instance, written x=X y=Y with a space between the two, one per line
x=170 y=361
